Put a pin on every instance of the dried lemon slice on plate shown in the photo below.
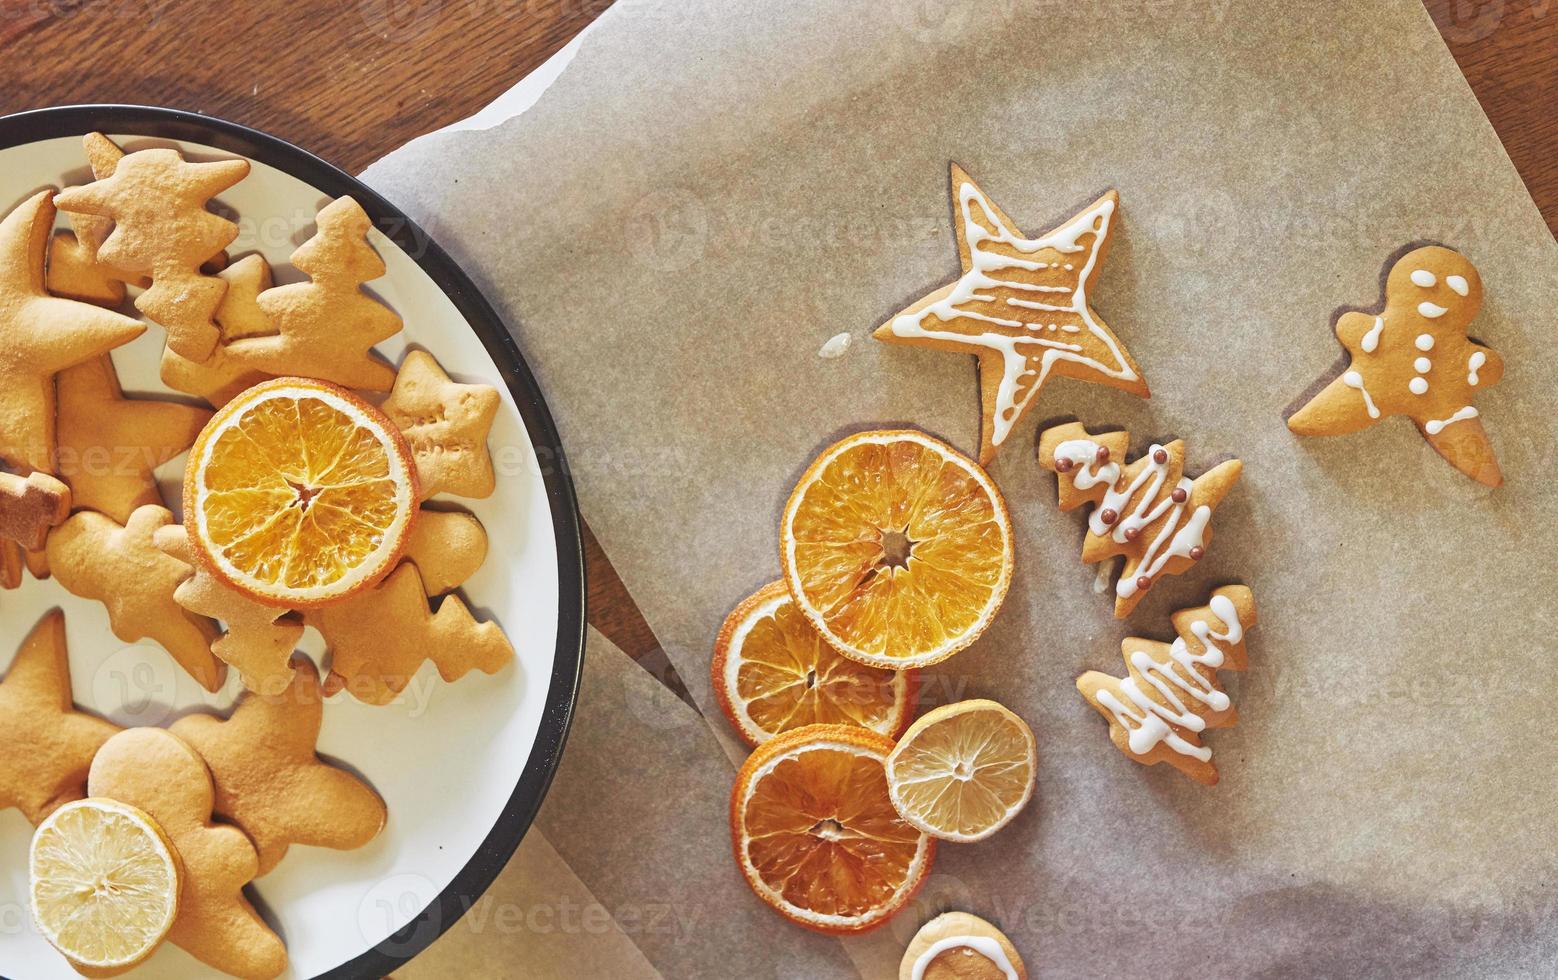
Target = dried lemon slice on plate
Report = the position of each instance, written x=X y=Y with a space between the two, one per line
x=815 y=834
x=103 y=884
x=963 y=771
x=773 y=672
x=897 y=548
x=298 y=493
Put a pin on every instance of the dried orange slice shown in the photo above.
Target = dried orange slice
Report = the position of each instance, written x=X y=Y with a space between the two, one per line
x=897 y=548
x=772 y=672
x=963 y=771
x=298 y=493
x=103 y=884
x=816 y=835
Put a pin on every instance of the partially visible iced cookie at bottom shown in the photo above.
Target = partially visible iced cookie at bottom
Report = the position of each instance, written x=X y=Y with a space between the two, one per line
x=960 y=946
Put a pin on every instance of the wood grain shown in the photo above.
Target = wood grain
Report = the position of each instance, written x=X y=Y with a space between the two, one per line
x=353 y=79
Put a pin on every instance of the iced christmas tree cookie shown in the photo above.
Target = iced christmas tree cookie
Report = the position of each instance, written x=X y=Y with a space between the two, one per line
x=1171 y=694
x=1149 y=510
x=1413 y=358
x=1022 y=308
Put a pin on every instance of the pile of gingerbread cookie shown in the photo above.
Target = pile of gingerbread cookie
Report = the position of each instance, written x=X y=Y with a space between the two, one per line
x=80 y=502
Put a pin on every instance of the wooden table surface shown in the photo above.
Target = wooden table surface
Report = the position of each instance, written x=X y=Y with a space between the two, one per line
x=353 y=79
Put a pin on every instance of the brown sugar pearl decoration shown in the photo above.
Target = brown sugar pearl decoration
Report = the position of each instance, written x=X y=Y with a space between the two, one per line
x=1197 y=553
x=1160 y=457
x=1063 y=465
x=1108 y=516
x=1179 y=495
x=1132 y=533
x=1103 y=455
x=1143 y=583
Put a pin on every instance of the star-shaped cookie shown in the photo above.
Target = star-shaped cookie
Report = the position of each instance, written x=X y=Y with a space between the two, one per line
x=1022 y=308
x=110 y=446
x=269 y=780
x=46 y=745
x=1413 y=358
x=446 y=424
x=41 y=335
x=92 y=556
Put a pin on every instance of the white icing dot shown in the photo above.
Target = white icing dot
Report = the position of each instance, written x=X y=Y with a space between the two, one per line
x=1458 y=283
x=1418 y=386
x=1424 y=278
x=1473 y=365
x=1068 y=266
x=1422 y=364
x=1431 y=310
x=1425 y=341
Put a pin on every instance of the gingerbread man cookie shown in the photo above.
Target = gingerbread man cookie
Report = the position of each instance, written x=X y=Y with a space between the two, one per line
x=1171 y=695
x=269 y=780
x=1413 y=358
x=46 y=745
x=1148 y=511
x=1022 y=308
x=94 y=557
x=159 y=773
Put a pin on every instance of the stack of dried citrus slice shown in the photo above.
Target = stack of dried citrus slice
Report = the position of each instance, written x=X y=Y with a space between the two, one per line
x=897 y=553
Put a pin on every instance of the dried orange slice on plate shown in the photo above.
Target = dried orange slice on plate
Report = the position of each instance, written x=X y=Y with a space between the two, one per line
x=104 y=884
x=963 y=771
x=773 y=672
x=816 y=835
x=897 y=548
x=298 y=493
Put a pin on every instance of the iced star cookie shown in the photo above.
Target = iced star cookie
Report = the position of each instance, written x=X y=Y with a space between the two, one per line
x=1022 y=308
x=1413 y=358
x=1147 y=510
x=1171 y=694
x=959 y=946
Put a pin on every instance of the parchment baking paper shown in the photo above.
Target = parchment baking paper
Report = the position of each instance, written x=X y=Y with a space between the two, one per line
x=712 y=189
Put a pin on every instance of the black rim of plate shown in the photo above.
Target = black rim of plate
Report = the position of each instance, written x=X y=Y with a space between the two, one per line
x=498 y=846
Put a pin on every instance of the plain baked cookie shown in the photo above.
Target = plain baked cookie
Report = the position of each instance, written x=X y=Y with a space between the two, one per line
x=959 y=946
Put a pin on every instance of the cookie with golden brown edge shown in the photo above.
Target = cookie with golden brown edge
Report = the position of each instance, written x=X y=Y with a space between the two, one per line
x=120 y=566
x=1171 y=694
x=324 y=328
x=41 y=335
x=1021 y=307
x=378 y=638
x=110 y=446
x=1147 y=510
x=960 y=946
x=1414 y=358
x=30 y=506
x=270 y=781
x=163 y=228
x=446 y=424
x=258 y=640
x=159 y=773
x=46 y=745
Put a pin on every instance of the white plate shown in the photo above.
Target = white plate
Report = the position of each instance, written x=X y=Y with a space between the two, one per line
x=463 y=766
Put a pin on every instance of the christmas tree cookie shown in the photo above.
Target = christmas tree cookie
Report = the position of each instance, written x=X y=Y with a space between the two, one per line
x=1148 y=510
x=1413 y=358
x=1171 y=694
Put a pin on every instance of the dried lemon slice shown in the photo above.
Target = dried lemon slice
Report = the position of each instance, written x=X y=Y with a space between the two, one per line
x=298 y=493
x=103 y=884
x=963 y=771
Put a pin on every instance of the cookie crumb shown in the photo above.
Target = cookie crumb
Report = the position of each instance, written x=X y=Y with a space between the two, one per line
x=1105 y=573
x=835 y=347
